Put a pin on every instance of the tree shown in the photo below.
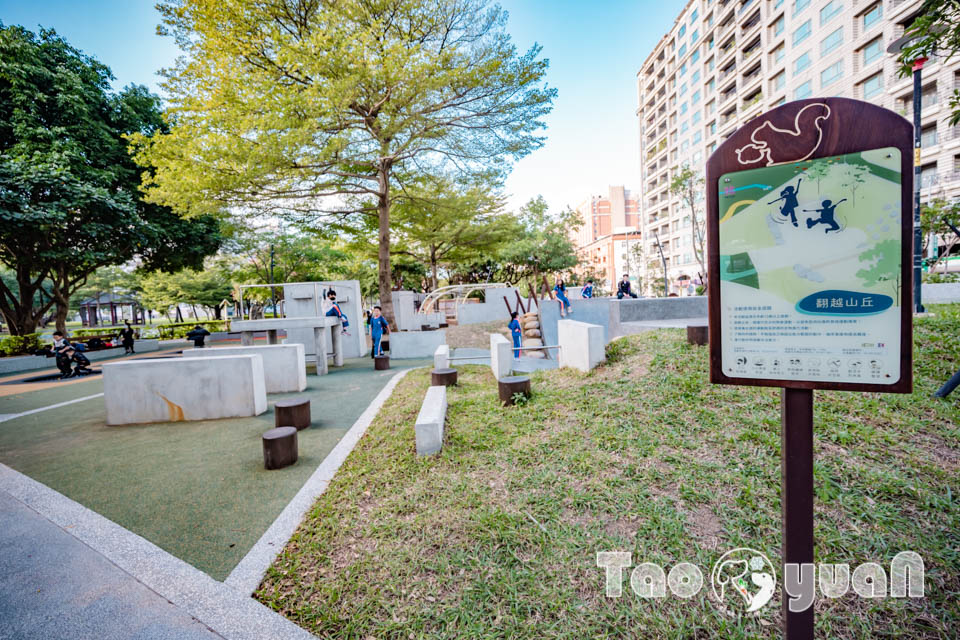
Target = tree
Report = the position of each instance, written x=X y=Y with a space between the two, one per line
x=687 y=185
x=69 y=191
x=937 y=31
x=312 y=110
x=440 y=222
x=940 y=219
x=884 y=268
x=853 y=176
x=818 y=170
x=543 y=244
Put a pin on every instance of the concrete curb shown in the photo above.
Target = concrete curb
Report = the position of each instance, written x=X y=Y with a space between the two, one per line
x=248 y=574
x=226 y=611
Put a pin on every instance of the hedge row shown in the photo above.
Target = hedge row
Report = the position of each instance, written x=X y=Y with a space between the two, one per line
x=19 y=345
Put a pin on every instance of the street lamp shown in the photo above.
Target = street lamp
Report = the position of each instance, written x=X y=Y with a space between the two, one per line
x=896 y=47
x=666 y=289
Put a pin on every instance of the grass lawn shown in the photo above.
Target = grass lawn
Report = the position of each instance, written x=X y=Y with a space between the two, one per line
x=497 y=536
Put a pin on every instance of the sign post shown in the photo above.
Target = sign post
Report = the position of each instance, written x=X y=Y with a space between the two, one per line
x=810 y=231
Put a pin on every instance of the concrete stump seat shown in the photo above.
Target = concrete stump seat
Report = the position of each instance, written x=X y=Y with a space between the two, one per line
x=280 y=447
x=381 y=363
x=697 y=334
x=292 y=412
x=443 y=377
x=509 y=385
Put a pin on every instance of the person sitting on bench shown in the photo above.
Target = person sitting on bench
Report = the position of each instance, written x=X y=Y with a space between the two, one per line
x=623 y=288
x=337 y=312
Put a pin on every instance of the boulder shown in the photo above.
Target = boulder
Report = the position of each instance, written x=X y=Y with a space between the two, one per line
x=533 y=342
x=531 y=324
x=532 y=333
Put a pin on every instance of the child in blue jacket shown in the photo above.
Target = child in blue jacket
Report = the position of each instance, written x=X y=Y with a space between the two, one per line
x=335 y=311
x=378 y=327
x=561 y=290
x=516 y=332
x=587 y=291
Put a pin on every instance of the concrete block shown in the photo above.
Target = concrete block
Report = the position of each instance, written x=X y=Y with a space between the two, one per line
x=940 y=292
x=415 y=344
x=441 y=357
x=284 y=365
x=501 y=356
x=306 y=299
x=582 y=345
x=175 y=389
x=429 y=427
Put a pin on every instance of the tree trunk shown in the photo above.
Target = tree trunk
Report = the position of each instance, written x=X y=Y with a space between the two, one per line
x=383 y=242
x=434 y=284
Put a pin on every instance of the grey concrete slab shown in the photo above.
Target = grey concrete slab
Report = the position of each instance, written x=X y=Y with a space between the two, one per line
x=627 y=328
x=54 y=586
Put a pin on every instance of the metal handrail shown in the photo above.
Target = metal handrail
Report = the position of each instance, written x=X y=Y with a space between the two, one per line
x=459 y=291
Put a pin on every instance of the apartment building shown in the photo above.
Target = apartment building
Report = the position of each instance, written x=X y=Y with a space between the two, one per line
x=724 y=62
x=610 y=228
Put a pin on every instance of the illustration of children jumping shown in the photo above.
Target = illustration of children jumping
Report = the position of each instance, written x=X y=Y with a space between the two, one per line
x=826 y=216
x=790 y=203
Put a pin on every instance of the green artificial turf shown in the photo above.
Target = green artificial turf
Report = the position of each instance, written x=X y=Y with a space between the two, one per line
x=497 y=536
x=195 y=489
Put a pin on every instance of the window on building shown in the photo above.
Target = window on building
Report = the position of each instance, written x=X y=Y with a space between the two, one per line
x=694 y=37
x=693 y=16
x=829 y=10
x=779 y=81
x=683 y=31
x=684 y=126
x=928 y=175
x=683 y=108
x=873 y=16
x=695 y=98
x=801 y=33
x=831 y=74
x=928 y=136
x=831 y=42
x=697 y=137
x=777 y=55
x=801 y=63
x=695 y=55
x=802 y=91
x=696 y=117
x=711 y=86
x=777 y=4
x=695 y=78
x=712 y=128
x=778 y=26
x=712 y=148
x=683 y=68
x=711 y=63
x=682 y=51
x=873 y=51
x=711 y=106
x=684 y=146
x=873 y=85
x=698 y=157
x=683 y=88
x=800 y=5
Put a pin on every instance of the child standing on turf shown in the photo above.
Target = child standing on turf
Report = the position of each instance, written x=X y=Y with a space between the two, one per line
x=516 y=332
x=561 y=290
x=335 y=311
x=378 y=327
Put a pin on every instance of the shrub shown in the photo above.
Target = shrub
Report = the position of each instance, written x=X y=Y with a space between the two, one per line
x=19 y=345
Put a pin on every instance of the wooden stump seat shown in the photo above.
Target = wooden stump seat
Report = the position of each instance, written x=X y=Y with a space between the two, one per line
x=280 y=447
x=381 y=363
x=292 y=412
x=697 y=334
x=510 y=385
x=443 y=377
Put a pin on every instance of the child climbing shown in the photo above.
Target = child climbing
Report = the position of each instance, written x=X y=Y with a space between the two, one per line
x=378 y=326
x=516 y=332
x=790 y=203
x=561 y=290
x=826 y=216
x=335 y=311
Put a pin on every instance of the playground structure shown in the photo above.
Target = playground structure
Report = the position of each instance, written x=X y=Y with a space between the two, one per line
x=459 y=293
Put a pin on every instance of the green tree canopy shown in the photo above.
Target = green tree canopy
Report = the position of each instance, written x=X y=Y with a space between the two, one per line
x=543 y=245
x=313 y=109
x=937 y=31
x=69 y=191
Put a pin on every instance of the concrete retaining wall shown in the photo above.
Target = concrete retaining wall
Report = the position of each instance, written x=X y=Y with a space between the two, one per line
x=284 y=365
x=596 y=311
x=582 y=345
x=940 y=293
x=429 y=427
x=491 y=310
x=301 y=301
x=501 y=356
x=662 y=308
x=441 y=357
x=415 y=344
x=176 y=389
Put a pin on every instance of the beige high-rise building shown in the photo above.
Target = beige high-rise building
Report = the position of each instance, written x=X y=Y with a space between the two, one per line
x=724 y=63
x=610 y=229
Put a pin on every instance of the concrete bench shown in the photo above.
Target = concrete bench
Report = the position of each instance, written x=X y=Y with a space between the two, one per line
x=429 y=427
x=284 y=365
x=581 y=344
x=501 y=356
x=415 y=344
x=441 y=357
x=176 y=389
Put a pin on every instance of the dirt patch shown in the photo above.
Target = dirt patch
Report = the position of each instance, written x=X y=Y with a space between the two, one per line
x=705 y=526
x=475 y=336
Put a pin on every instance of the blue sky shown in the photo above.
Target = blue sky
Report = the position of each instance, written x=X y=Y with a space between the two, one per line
x=594 y=48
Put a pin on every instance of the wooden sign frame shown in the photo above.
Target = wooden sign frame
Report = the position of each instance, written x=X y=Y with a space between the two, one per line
x=798 y=132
